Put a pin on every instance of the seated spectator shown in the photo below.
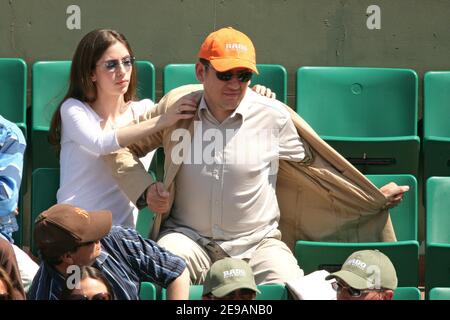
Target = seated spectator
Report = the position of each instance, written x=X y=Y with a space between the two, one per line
x=229 y=279
x=68 y=236
x=12 y=149
x=89 y=284
x=365 y=275
x=10 y=281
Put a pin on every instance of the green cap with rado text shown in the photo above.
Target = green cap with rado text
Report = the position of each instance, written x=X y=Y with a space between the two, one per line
x=227 y=275
x=367 y=269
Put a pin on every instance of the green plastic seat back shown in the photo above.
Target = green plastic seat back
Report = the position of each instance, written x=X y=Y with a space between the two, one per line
x=13 y=96
x=272 y=292
x=50 y=84
x=438 y=210
x=437 y=243
x=195 y=292
x=369 y=115
x=272 y=76
x=439 y=294
x=407 y=293
x=358 y=102
x=314 y=255
x=13 y=93
x=404 y=253
x=145 y=218
x=147 y=291
x=404 y=216
x=176 y=75
x=436 y=112
x=44 y=185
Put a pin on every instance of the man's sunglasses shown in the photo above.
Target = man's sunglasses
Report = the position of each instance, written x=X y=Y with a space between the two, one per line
x=98 y=296
x=355 y=293
x=113 y=65
x=243 y=76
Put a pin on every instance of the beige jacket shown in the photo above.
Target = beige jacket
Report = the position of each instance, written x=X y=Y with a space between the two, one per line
x=323 y=198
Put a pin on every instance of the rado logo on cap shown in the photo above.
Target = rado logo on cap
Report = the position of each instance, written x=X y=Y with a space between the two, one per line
x=236 y=46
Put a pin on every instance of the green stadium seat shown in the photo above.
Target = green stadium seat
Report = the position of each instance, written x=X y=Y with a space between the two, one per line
x=147 y=291
x=50 y=85
x=369 y=115
x=44 y=185
x=273 y=76
x=404 y=253
x=437 y=243
x=439 y=294
x=436 y=140
x=145 y=218
x=407 y=293
x=13 y=97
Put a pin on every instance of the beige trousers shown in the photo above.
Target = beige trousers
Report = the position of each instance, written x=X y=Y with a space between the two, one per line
x=271 y=262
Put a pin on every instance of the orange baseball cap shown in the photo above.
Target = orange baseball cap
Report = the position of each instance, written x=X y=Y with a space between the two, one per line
x=227 y=49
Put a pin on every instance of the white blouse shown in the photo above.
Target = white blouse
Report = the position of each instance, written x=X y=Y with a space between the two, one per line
x=85 y=180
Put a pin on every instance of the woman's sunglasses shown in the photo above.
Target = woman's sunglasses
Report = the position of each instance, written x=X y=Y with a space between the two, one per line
x=113 y=65
x=98 y=296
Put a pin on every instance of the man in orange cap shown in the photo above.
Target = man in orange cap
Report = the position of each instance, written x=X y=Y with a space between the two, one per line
x=221 y=168
x=67 y=237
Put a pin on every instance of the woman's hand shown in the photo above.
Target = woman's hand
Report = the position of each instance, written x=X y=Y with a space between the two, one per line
x=264 y=91
x=183 y=109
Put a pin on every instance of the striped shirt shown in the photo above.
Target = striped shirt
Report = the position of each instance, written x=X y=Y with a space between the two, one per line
x=12 y=149
x=126 y=260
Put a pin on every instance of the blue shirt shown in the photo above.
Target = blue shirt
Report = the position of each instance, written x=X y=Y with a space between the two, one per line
x=126 y=260
x=12 y=149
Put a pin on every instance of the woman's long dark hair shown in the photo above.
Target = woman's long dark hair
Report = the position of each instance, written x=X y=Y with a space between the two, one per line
x=84 y=61
x=6 y=280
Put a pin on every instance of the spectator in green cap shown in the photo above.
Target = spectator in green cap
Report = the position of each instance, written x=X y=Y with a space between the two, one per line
x=230 y=279
x=365 y=275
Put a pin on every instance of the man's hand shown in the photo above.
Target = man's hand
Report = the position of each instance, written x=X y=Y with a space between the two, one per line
x=393 y=193
x=263 y=91
x=158 y=198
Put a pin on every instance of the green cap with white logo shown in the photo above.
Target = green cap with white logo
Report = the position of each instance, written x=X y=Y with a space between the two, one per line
x=367 y=269
x=227 y=275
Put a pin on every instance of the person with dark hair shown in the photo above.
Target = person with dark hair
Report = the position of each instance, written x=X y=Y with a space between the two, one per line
x=229 y=279
x=87 y=283
x=9 y=273
x=365 y=275
x=98 y=115
x=68 y=237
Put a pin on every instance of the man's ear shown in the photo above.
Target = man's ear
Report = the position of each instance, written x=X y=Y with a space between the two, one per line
x=200 y=72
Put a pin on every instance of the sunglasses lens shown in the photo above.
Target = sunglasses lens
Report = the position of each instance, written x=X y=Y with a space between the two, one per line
x=245 y=76
x=224 y=76
x=354 y=292
x=102 y=296
x=128 y=62
x=111 y=64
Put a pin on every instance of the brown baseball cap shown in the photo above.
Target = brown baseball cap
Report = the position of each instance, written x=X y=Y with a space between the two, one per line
x=63 y=227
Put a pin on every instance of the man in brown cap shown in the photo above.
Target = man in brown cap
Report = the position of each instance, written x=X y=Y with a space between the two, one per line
x=68 y=236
